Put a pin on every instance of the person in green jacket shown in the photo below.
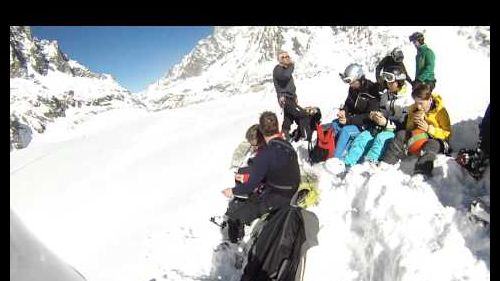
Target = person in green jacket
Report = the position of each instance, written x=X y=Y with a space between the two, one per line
x=425 y=59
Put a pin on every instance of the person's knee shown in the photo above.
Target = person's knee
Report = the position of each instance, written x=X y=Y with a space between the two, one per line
x=432 y=146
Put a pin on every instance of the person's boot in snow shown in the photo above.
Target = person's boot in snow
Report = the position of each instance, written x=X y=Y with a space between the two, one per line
x=474 y=161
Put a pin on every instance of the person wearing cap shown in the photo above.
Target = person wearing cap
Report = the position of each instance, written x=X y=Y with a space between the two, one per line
x=425 y=61
x=395 y=58
x=276 y=167
x=353 y=117
x=430 y=117
x=287 y=97
x=394 y=104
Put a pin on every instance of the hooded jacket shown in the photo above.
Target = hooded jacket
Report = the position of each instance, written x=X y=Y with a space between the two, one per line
x=437 y=118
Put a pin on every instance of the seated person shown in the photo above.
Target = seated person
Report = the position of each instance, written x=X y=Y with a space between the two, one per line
x=354 y=116
x=427 y=132
x=394 y=105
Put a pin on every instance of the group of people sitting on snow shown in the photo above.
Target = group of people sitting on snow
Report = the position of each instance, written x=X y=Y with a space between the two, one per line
x=380 y=122
x=384 y=121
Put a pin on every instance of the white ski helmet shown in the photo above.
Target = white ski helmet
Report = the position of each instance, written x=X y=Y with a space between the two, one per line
x=352 y=73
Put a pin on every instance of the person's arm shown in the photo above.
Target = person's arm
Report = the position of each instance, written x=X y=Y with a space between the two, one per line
x=379 y=67
x=408 y=78
x=444 y=130
x=259 y=170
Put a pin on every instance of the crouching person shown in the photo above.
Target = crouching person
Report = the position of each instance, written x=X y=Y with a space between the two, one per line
x=276 y=168
x=427 y=132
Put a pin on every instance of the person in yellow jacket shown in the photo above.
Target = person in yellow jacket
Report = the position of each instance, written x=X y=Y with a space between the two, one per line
x=427 y=132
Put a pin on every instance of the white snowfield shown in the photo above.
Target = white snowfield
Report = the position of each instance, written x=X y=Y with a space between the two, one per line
x=127 y=195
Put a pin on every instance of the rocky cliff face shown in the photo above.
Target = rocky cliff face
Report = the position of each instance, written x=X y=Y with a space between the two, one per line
x=45 y=84
x=240 y=59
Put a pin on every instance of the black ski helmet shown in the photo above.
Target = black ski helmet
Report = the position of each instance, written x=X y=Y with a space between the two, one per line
x=417 y=36
x=397 y=55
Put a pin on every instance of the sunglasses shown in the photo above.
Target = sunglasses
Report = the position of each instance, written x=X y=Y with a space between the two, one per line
x=285 y=57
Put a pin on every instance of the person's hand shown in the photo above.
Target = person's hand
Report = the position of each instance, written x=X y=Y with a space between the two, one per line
x=419 y=115
x=341 y=114
x=422 y=125
x=282 y=101
x=342 y=120
x=378 y=118
x=228 y=192
x=239 y=177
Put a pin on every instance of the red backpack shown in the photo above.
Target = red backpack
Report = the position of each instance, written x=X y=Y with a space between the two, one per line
x=325 y=144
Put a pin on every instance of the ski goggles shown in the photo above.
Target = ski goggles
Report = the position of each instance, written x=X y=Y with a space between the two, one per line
x=347 y=80
x=391 y=77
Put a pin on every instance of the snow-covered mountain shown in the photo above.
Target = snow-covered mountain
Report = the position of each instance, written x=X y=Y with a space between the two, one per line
x=128 y=194
x=240 y=59
x=45 y=84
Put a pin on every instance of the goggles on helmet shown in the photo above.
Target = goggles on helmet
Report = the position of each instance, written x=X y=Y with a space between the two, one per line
x=346 y=79
x=391 y=77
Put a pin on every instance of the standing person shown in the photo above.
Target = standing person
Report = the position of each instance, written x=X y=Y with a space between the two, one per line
x=429 y=118
x=276 y=167
x=394 y=104
x=287 y=98
x=354 y=116
x=394 y=59
x=425 y=61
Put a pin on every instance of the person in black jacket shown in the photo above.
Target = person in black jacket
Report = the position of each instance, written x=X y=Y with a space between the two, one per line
x=390 y=61
x=354 y=117
x=276 y=167
x=287 y=98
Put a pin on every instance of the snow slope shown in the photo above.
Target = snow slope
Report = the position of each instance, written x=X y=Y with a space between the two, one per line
x=127 y=194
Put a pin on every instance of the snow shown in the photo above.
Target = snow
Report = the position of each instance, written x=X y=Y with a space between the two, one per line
x=127 y=195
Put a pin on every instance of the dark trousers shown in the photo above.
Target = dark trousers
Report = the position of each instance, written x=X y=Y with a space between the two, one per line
x=293 y=112
x=244 y=211
x=397 y=150
x=432 y=84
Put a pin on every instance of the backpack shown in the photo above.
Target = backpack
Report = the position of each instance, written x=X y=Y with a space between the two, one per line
x=278 y=253
x=314 y=115
x=325 y=144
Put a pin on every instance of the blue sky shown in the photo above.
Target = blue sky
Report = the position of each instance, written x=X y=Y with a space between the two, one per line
x=135 y=56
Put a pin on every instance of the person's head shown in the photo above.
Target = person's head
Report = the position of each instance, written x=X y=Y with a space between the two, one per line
x=394 y=78
x=417 y=38
x=397 y=55
x=254 y=136
x=353 y=74
x=283 y=57
x=268 y=124
x=422 y=95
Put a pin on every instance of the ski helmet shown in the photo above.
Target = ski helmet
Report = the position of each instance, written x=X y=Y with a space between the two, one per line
x=417 y=141
x=397 y=55
x=417 y=36
x=352 y=73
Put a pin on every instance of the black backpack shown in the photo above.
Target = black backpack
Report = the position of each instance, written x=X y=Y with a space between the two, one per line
x=315 y=115
x=279 y=251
